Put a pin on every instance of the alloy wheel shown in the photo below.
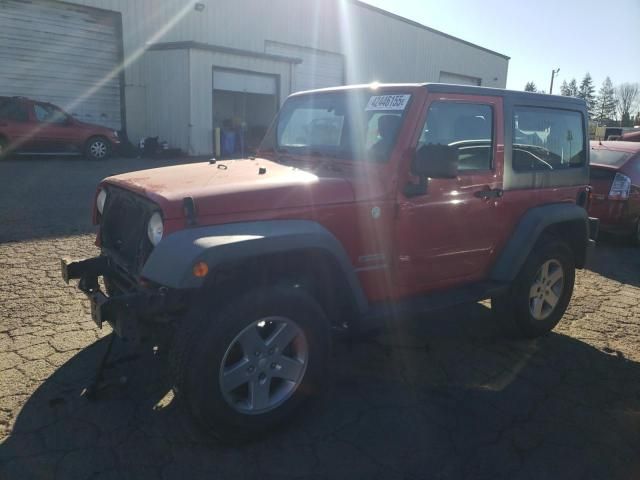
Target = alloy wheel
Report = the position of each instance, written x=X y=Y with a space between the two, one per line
x=98 y=149
x=546 y=290
x=264 y=365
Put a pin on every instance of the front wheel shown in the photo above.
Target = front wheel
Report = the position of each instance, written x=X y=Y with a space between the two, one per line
x=246 y=368
x=541 y=292
x=3 y=148
x=98 y=148
x=635 y=235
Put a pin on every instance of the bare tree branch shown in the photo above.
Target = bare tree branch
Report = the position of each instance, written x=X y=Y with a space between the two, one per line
x=626 y=97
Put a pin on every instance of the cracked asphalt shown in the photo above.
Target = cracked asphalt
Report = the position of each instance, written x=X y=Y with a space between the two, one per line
x=439 y=397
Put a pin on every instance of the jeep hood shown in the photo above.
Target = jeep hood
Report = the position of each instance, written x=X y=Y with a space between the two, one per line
x=234 y=186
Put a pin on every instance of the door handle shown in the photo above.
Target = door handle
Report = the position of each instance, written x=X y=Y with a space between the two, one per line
x=489 y=193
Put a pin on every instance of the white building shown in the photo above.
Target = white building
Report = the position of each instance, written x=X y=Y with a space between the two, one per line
x=180 y=68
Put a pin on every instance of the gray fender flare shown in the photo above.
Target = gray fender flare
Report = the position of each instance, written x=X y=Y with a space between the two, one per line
x=171 y=261
x=529 y=229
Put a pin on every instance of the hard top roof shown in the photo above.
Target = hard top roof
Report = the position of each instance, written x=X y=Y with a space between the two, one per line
x=451 y=88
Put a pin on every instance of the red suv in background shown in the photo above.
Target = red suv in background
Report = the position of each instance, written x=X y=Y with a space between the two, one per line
x=615 y=178
x=30 y=127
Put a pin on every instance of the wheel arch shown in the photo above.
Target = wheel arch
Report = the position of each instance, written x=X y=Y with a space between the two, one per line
x=241 y=255
x=565 y=221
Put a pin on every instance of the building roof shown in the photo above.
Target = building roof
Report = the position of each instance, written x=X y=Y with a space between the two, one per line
x=424 y=27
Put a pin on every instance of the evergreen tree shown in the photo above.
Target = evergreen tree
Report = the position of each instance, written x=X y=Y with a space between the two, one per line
x=605 y=106
x=587 y=93
x=530 y=87
x=573 y=88
x=564 y=88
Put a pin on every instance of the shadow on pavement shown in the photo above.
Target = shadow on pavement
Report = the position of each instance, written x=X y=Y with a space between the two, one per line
x=443 y=397
x=617 y=259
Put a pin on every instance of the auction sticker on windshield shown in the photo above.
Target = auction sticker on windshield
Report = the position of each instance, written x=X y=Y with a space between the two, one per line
x=388 y=102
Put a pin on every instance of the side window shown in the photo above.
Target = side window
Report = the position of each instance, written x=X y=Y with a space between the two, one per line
x=49 y=114
x=467 y=127
x=14 y=111
x=42 y=112
x=547 y=139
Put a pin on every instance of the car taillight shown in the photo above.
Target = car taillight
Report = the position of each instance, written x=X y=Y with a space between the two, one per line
x=620 y=187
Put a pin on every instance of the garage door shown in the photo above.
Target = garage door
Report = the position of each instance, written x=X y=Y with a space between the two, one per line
x=244 y=82
x=318 y=69
x=458 y=79
x=63 y=54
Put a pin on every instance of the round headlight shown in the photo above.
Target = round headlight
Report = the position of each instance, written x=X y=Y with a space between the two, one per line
x=155 y=229
x=100 y=200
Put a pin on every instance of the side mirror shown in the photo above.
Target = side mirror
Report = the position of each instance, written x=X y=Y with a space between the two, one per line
x=433 y=161
x=436 y=161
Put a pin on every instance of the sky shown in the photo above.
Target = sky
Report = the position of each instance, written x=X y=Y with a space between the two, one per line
x=577 y=36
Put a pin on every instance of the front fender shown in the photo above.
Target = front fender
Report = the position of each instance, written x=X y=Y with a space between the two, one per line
x=171 y=262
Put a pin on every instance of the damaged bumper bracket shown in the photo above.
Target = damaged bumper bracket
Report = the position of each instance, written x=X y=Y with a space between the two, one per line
x=123 y=311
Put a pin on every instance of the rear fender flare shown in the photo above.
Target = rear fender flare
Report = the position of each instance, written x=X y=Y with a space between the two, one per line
x=533 y=223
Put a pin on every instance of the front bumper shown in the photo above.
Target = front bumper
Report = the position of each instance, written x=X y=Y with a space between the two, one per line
x=123 y=311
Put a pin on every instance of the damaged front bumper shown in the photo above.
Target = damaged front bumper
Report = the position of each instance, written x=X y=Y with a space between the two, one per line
x=123 y=311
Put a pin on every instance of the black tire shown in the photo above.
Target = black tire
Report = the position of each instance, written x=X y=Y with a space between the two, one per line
x=3 y=149
x=513 y=310
x=634 y=238
x=207 y=333
x=98 y=148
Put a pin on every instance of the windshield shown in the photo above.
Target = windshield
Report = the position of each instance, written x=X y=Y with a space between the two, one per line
x=347 y=125
x=609 y=157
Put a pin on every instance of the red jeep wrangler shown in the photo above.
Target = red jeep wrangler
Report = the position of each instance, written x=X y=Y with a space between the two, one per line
x=363 y=203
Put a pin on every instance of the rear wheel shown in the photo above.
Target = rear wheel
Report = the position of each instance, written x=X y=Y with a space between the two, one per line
x=244 y=369
x=635 y=235
x=540 y=294
x=3 y=148
x=98 y=148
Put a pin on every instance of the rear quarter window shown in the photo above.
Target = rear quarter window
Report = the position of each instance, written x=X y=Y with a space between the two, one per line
x=546 y=139
x=12 y=110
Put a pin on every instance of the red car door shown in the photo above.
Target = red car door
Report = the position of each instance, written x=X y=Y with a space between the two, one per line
x=446 y=235
x=16 y=124
x=55 y=132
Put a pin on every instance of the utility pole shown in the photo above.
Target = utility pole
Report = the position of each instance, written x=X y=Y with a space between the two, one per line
x=553 y=74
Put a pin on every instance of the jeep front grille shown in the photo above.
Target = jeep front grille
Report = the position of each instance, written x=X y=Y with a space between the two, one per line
x=123 y=228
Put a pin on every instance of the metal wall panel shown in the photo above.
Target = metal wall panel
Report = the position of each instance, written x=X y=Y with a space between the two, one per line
x=168 y=96
x=318 y=69
x=456 y=78
x=63 y=54
x=375 y=46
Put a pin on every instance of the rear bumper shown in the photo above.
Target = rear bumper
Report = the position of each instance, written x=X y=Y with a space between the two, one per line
x=124 y=311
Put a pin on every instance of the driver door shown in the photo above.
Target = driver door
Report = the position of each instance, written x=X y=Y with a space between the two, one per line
x=446 y=236
x=54 y=132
